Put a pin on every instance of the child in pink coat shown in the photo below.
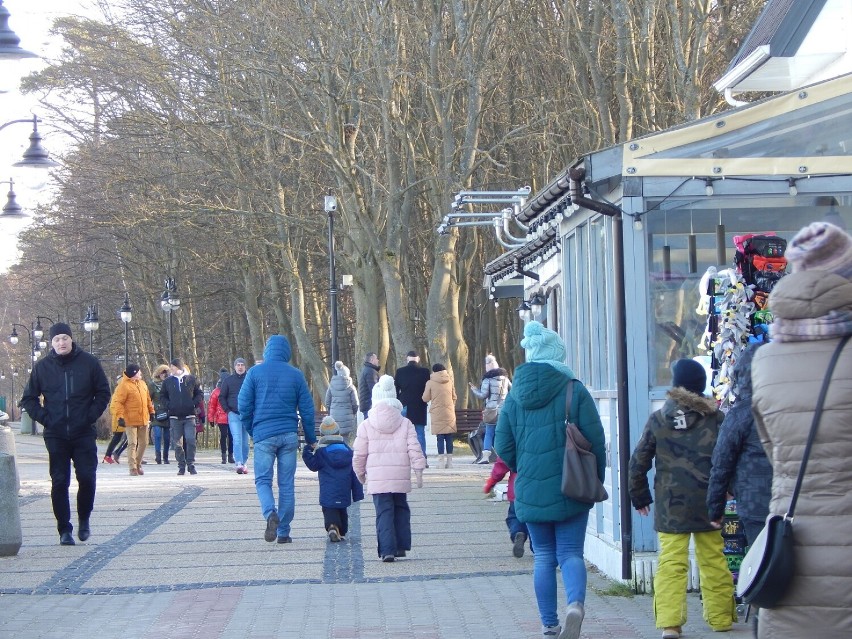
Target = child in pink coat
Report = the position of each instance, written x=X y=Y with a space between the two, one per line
x=386 y=449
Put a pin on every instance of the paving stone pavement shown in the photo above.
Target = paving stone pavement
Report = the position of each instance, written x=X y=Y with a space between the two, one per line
x=176 y=557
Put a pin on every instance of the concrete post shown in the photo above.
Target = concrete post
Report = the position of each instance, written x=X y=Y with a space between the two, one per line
x=10 y=514
x=7 y=445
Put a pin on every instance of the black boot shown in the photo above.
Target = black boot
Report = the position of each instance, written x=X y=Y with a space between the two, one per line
x=230 y=459
x=84 y=531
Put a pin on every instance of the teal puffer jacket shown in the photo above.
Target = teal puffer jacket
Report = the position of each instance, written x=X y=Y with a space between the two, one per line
x=531 y=440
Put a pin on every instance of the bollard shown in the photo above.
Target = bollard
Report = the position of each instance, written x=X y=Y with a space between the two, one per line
x=7 y=445
x=26 y=423
x=10 y=514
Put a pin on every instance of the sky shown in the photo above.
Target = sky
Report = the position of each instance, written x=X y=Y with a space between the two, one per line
x=31 y=21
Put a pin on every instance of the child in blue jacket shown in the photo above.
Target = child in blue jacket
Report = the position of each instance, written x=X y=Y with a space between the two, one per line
x=339 y=487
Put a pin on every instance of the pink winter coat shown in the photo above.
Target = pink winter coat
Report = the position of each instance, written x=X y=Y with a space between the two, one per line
x=386 y=449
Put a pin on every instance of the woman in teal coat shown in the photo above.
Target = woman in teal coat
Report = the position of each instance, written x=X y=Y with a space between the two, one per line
x=531 y=440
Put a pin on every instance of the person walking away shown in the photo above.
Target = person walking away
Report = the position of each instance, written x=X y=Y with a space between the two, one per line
x=530 y=438
x=386 y=451
x=132 y=408
x=812 y=307
x=495 y=386
x=518 y=531
x=679 y=439
x=180 y=394
x=440 y=395
x=339 y=487
x=273 y=399
x=739 y=461
x=366 y=380
x=217 y=415
x=68 y=413
x=341 y=400
x=160 y=423
x=410 y=382
x=228 y=398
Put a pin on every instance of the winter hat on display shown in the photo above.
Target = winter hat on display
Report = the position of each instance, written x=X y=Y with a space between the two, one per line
x=821 y=247
x=342 y=370
x=689 y=375
x=385 y=392
x=329 y=426
x=239 y=360
x=60 y=328
x=131 y=370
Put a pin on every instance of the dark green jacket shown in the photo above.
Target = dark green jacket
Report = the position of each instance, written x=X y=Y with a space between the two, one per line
x=531 y=440
x=679 y=439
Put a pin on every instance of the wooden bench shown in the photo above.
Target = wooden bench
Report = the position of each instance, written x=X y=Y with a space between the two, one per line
x=467 y=421
x=319 y=415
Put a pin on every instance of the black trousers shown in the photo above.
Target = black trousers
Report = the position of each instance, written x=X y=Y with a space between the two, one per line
x=338 y=517
x=83 y=451
x=393 y=522
x=226 y=442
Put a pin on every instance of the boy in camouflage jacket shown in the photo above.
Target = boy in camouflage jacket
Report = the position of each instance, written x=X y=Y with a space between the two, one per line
x=680 y=438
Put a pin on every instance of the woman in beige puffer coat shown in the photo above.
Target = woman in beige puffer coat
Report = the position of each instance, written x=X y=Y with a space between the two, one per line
x=440 y=394
x=813 y=311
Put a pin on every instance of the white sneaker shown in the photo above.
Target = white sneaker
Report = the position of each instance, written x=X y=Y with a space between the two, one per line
x=550 y=631
x=573 y=620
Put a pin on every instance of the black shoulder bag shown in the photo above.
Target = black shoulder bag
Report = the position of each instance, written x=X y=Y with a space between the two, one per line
x=767 y=568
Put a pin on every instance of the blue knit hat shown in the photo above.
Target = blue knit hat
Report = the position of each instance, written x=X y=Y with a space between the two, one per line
x=542 y=344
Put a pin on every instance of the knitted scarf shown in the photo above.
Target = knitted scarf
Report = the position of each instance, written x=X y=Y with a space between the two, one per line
x=834 y=324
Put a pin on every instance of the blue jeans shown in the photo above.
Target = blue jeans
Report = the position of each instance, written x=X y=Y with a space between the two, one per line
x=183 y=434
x=445 y=439
x=241 y=439
x=421 y=437
x=558 y=543
x=490 y=429
x=280 y=450
x=162 y=439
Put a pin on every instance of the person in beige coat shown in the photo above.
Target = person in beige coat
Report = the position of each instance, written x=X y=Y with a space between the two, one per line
x=440 y=394
x=813 y=311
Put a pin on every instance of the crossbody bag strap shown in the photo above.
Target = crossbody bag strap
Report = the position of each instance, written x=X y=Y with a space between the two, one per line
x=569 y=396
x=817 y=415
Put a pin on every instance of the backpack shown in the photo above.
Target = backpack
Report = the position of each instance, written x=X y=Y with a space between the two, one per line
x=760 y=259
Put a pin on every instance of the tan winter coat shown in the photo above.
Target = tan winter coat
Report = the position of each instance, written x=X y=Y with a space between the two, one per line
x=786 y=378
x=441 y=392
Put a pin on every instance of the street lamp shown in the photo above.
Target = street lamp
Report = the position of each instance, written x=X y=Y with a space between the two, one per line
x=35 y=156
x=10 y=48
x=90 y=324
x=126 y=314
x=170 y=302
x=38 y=331
x=537 y=303
x=330 y=208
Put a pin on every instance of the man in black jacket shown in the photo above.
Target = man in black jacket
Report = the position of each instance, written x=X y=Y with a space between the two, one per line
x=179 y=395
x=228 y=394
x=76 y=392
x=410 y=381
x=366 y=380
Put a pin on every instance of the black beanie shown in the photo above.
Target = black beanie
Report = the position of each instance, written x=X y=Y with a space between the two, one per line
x=131 y=370
x=690 y=375
x=60 y=328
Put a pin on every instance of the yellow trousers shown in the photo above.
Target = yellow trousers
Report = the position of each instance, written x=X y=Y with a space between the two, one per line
x=137 y=440
x=717 y=583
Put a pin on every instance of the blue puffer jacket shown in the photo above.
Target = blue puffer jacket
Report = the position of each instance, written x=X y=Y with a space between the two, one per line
x=531 y=440
x=274 y=395
x=339 y=486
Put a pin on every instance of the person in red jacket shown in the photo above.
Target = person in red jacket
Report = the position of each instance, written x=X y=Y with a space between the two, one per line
x=518 y=532
x=217 y=415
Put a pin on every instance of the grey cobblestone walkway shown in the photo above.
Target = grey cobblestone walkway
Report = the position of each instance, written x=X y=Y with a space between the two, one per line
x=175 y=557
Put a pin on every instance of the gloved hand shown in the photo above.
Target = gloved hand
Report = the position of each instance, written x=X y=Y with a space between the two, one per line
x=121 y=422
x=419 y=475
x=152 y=417
x=362 y=478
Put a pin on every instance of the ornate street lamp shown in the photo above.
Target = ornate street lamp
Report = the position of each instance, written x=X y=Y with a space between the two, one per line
x=90 y=324
x=10 y=48
x=170 y=302
x=126 y=314
x=330 y=207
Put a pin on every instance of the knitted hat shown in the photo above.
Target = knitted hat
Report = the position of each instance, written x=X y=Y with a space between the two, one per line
x=329 y=426
x=385 y=391
x=821 y=247
x=131 y=370
x=690 y=375
x=491 y=362
x=239 y=360
x=342 y=370
x=411 y=355
x=60 y=328
x=542 y=344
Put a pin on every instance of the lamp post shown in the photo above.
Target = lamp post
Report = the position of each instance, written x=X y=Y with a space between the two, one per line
x=170 y=302
x=14 y=338
x=330 y=208
x=126 y=314
x=10 y=48
x=90 y=324
x=10 y=399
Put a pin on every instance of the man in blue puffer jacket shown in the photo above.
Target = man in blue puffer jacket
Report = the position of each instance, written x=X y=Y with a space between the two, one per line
x=273 y=398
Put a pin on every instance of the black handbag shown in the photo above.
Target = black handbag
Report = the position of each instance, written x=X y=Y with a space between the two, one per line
x=767 y=568
x=579 y=465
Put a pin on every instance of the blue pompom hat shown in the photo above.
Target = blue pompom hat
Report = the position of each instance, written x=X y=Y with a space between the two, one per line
x=544 y=346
